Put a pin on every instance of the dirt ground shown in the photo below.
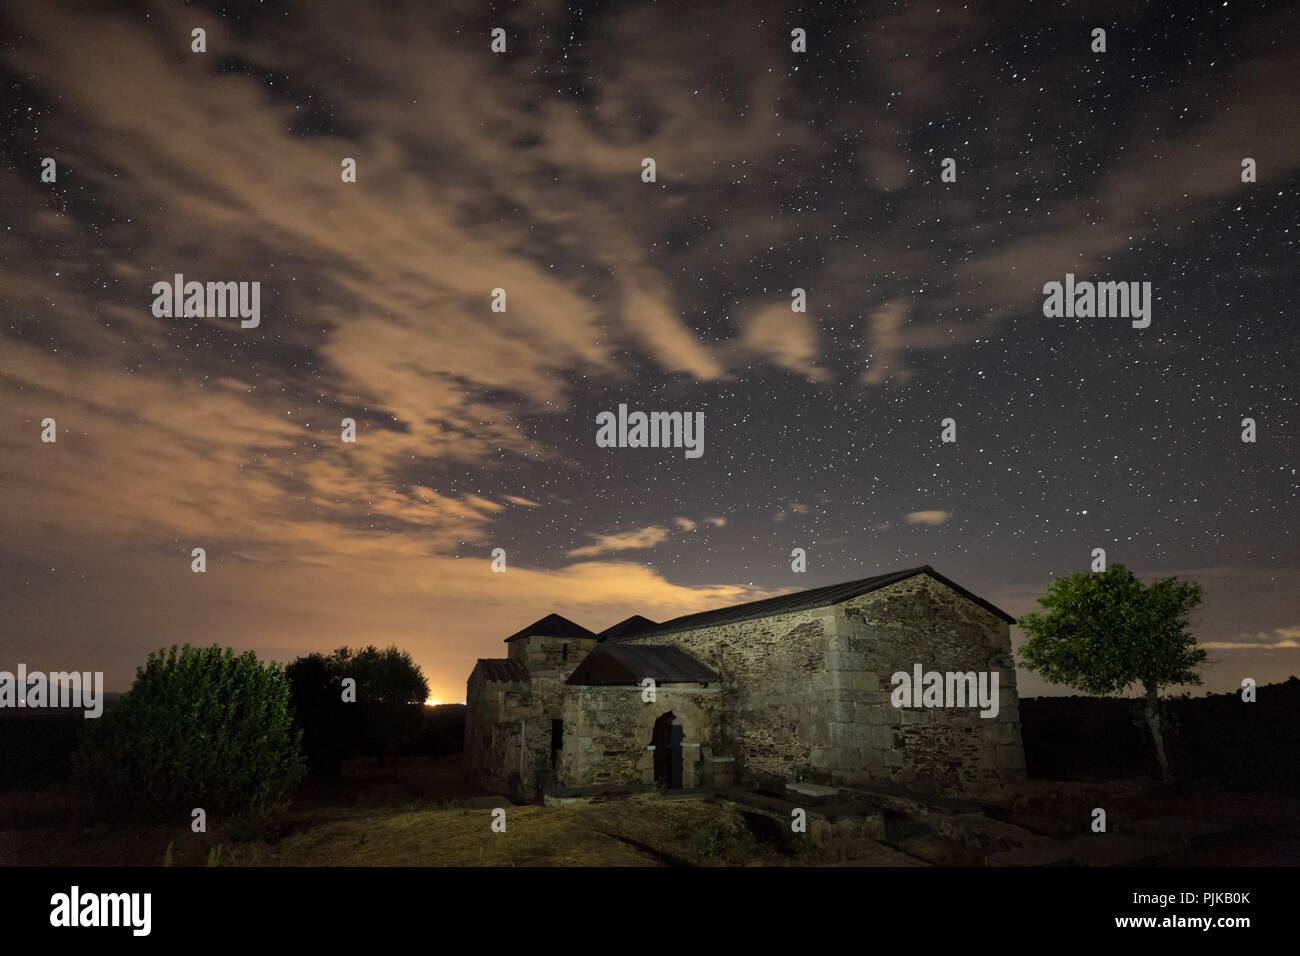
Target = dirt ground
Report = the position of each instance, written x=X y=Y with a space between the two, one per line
x=418 y=812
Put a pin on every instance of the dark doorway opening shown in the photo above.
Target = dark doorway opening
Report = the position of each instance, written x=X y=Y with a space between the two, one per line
x=557 y=740
x=667 y=740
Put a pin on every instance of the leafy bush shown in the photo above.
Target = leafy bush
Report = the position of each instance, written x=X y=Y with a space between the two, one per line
x=708 y=841
x=202 y=728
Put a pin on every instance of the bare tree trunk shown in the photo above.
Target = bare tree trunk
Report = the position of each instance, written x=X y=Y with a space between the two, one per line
x=1153 y=721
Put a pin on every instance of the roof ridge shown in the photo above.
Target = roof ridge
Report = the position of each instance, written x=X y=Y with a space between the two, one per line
x=807 y=599
x=552 y=625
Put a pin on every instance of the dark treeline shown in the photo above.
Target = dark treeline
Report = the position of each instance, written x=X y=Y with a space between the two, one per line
x=1244 y=746
x=36 y=746
x=319 y=712
x=381 y=716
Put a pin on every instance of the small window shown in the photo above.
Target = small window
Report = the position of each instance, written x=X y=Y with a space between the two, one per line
x=564 y=653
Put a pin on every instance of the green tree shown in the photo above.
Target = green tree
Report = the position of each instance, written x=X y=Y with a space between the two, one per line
x=329 y=732
x=391 y=691
x=386 y=717
x=202 y=728
x=1106 y=632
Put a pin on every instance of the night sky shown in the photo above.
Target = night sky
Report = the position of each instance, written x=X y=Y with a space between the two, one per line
x=476 y=429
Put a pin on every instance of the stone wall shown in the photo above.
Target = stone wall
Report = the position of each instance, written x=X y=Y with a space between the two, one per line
x=491 y=749
x=508 y=724
x=771 y=711
x=608 y=735
x=804 y=695
x=941 y=750
x=550 y=655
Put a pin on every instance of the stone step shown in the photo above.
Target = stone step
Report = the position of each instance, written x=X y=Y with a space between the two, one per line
x=811 y=794
x=577 y=796
x=762 y=801
x=893 y=797
x=672 y=795
x=782 y=806
x=488 y=803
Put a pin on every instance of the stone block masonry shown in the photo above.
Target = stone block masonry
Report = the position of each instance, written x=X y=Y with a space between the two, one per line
x=802 y=694
x=942 y=750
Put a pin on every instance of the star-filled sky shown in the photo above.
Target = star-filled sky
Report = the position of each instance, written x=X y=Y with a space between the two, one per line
x=522 y=170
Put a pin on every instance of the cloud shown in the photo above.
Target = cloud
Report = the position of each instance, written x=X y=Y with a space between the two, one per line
x=885 y=342
x=1281 y=638
x=622 y=541
x=686 y=524
x=1154 y=181
x=666 y=337
x=786 y=338
x=483 y=504
x=374 y=306
x=886 y=166
x=183 y=433
x=794 y=509
x=931 y=518
x=1241 y=645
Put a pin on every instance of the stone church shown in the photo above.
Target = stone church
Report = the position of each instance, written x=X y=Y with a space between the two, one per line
x=792 y=688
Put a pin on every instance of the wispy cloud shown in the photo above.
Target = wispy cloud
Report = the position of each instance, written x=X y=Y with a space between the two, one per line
x=931 y=518
x=622 y=541
x=1279 y=639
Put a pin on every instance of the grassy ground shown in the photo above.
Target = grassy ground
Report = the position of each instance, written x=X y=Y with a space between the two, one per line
x=412 y=813
x=418 y=812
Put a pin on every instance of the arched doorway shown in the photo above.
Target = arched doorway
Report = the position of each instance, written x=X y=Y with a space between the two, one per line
x=667 y=740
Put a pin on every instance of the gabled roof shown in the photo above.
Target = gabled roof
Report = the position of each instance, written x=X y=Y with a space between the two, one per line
x=802 y=601
x=501 y=670
x=630 y=625
x=633 y=663
x=552 y=626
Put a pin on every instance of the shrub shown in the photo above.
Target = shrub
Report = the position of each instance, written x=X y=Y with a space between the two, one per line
x=708 y=841
x=202 y=728
x=386 y=716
